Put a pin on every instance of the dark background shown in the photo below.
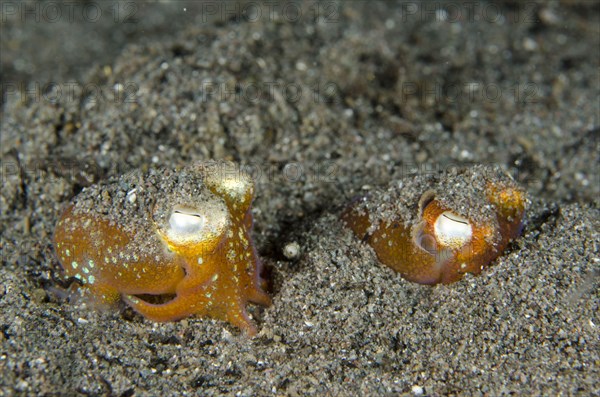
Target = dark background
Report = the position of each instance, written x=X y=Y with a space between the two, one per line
x=325 y=101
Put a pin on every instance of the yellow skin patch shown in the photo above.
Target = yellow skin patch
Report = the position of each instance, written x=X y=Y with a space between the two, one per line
x=443 y=245
x=206 y=258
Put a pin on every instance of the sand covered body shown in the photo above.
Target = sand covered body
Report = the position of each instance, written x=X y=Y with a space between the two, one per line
x=188 y=243
x=456 y=222
x=453 y=189
x=364 y=117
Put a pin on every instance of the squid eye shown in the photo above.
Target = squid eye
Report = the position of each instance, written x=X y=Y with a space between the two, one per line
x=188 y=225
x=182 y=222
x=452 y=230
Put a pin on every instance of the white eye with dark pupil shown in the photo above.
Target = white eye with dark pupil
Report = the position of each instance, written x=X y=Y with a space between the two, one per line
x=452 y=230
x=197 y=224
x=186 y=223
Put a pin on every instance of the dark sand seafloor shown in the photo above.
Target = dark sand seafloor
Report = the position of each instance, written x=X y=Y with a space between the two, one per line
x=325 y=109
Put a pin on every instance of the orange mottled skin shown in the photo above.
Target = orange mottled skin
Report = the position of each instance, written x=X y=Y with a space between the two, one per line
x=215 y=276
x=395 y=243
